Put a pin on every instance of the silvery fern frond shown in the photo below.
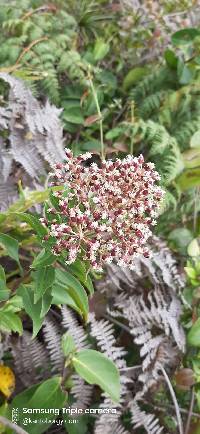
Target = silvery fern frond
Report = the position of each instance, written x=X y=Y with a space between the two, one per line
x=105 y=426
x=71 y=324
x=35 y=139
x=4 y=118
x=30 y=358
x=52 y=337
x=103 y=332
x=82 y=393
x=140 y=418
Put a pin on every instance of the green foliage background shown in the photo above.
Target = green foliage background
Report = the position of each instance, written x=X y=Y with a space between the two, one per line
x=150 y=107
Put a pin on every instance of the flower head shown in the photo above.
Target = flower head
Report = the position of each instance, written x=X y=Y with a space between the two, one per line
x=105 y=213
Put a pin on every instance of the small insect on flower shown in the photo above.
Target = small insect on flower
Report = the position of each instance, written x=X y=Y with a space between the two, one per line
x=105 y=213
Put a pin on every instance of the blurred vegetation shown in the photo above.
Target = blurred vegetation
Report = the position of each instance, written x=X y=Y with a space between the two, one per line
x=142 y=61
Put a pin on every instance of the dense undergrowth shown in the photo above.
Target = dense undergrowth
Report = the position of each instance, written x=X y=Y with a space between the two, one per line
x=108 y=81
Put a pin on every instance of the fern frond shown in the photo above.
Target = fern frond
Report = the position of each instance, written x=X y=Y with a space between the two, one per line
x=148 y=421
x=109 y=427
x=52 y=338
x=81 y=392
x=103 y=331
x=70 y=324
x=30 y=359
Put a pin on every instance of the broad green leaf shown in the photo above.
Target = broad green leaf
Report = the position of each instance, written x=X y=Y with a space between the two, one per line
x=61 y=296
x=191 y=273
x=185 y=36
x=43 y=396
x=44 y=278
x=181 y=237
x=195 y=140
x=101 y=49
x=4 y=291
x=12 y=247
x=46 y=304
x=75 y=290
x=95 y=368
x=73 y=115
x=133 y=76
x=171 y=58
x=189 y=179
x=193 y=336
x=193 y=248
x=185 y=73
x=31 y=308
x=9 y=321
x=92 y=145
x=4 y=294
x=16 y=303
x=115 y=132
x=197 y=427
x=79 y=270
x=2 y=278
x=43 y=259
x=191 y=158
x=77 y=428
x=68 y=344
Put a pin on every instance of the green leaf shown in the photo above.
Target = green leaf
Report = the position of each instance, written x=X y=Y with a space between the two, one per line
x=75 y=290
x=77 y=428
x=32 y=309
x=191 y=158
x=92 y=145
x=79 y=270
x=43 y=259
x=101 y=49
x=195 y=140
x=181 y=237
x=171 y=58
x=33 y=222
x=193 y=336
x=115 y=132
x=68 y=344
x=46 y=304
x=95 y=368
x=2 y=278
x=61 y=296
x=43 y=396
x=12 y=247
x=9 y=321
x=185 y=74
x=189 y=179
x=185 y=36
x=191 y=273
x=73 y=115
x=133 y=76
x=44 y=278
x=4 y=291
x=193 y=248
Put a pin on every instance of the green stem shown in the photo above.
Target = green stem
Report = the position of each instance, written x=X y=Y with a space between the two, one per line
x=100 y=116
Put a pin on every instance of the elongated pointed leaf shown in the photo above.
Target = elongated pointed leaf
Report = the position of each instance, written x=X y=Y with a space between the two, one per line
x=75 y=290
x=193 y=337
x=44 y=278
x=95 y=368
x=12 y=247
x=43 y=259
x=32 y=309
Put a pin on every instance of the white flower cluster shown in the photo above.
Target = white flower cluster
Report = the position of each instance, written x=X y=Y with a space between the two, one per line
x=105 y=213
